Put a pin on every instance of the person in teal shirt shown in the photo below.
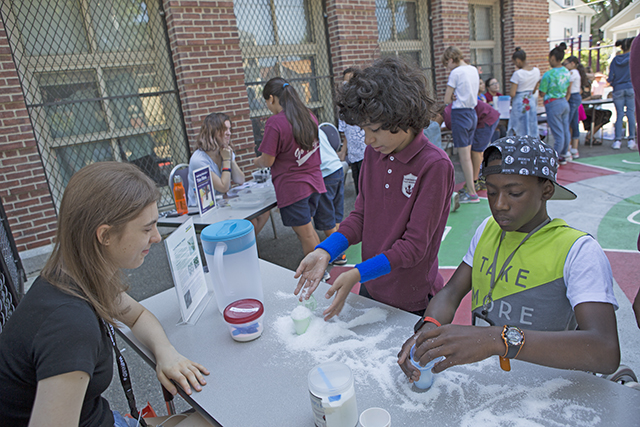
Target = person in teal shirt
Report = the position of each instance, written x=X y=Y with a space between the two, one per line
x=553 y=87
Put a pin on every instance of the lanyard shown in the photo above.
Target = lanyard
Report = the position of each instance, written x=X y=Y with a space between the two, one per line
x=125 y=379
x=488 y=299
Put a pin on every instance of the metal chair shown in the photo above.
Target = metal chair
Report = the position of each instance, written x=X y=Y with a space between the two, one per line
x=332 y=135
x=182 y=170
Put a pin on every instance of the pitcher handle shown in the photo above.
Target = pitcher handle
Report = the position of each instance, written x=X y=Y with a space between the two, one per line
x=219 y=268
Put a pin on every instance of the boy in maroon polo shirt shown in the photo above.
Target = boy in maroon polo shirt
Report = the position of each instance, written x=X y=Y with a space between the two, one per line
x=406 y=185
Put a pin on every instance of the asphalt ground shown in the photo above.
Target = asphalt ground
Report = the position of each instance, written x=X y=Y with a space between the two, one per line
x=154 y=276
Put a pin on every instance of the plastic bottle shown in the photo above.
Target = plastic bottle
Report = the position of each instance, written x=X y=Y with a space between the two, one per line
x=179 y=196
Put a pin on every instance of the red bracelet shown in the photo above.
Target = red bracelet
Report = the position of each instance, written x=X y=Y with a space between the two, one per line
x=432 y=320
x=226 y=170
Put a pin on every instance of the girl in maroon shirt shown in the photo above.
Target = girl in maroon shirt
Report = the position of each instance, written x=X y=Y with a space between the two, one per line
x=290 y=148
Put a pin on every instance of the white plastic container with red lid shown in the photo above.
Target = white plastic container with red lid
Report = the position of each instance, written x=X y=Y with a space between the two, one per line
x=244 y=319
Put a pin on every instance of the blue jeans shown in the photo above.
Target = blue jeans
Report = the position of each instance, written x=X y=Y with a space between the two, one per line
x=625 y=98
x=524 y=121
x=330 y=209
x=558 y=121
x=574 y=104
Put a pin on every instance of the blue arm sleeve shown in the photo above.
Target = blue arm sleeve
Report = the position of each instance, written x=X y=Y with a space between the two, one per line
x=373 y=268
x=334 y=245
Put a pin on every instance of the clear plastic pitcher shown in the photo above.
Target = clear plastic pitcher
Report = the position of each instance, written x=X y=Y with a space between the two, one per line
x=232 y=258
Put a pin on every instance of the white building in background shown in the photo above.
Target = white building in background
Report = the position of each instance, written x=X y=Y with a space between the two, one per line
x=569 y=19
x=625 y=24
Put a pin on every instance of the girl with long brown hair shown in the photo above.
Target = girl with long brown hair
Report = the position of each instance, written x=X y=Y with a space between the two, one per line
x=55 y=351
x=290 y=148
x=215 y=150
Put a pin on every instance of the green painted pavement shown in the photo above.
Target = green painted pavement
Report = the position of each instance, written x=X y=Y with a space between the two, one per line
x=620 y=226
x=628 y=161
x=463 y=223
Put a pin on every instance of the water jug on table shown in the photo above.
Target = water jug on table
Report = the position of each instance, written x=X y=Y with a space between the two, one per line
x=232 y=257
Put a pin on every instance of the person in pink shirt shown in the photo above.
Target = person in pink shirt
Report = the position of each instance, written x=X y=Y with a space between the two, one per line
x=406 y=185
x=290 y=148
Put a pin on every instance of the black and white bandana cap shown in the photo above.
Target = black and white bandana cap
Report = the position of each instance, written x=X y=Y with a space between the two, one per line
x=527 y=155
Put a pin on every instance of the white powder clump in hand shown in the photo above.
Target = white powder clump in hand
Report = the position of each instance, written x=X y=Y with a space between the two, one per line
x=300 y=313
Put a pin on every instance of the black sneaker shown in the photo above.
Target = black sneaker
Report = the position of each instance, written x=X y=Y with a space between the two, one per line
x=341 y=260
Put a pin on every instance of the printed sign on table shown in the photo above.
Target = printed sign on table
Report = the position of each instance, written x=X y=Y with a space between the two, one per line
x=204 y=190
x=187 y=271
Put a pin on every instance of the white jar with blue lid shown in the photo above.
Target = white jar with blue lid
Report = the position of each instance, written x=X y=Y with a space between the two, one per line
x=232 y=257
x=333 y=396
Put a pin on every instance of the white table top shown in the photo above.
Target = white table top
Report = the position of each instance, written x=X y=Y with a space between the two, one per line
x=222 y=213
x=597 y=101
x=264 y=382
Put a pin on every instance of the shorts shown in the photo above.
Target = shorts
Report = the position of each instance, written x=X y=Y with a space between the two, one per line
x=300 y=213
x=482 y=137
x=463 y=126
x=330 y=209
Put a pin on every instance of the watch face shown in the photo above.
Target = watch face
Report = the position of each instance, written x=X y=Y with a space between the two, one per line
x=513 y=336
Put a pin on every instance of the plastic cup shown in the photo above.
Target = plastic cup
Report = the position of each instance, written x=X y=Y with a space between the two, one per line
x=426 y=376
x=301 y=317
x=310 y=303
x=375 y=417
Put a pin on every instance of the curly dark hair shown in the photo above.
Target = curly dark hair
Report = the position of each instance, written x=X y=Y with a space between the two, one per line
x=390 y=93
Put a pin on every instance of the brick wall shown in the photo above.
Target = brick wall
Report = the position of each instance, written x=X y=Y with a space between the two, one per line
x=353 y=34
x=205 y=45
x=450 y=21
x=526 y=26
x=23 y=187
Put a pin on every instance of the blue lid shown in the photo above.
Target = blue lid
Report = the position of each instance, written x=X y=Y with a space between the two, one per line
x=237 y=234
x=226 y=230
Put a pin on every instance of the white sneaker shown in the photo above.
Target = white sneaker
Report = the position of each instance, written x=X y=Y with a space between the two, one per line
x=568 y=157
x=616 y=145
x=631 y=144
x=574 y=153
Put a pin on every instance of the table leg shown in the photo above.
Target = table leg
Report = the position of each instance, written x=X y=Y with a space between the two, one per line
x=593 y=121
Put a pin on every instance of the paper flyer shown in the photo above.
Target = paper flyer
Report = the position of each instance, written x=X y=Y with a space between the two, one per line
x=186 y=268
x=204 y=190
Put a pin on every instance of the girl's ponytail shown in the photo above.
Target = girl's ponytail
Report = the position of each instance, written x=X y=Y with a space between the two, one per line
x=305 y=131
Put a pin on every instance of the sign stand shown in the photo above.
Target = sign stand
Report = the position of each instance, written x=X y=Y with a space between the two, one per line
x=188 y=273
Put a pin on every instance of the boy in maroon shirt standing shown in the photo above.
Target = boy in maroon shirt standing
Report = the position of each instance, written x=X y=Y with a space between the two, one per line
x=406 y=185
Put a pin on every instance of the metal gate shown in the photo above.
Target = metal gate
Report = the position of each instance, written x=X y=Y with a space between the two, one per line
x=285 y=38
x=99 y=84
x=12 y=276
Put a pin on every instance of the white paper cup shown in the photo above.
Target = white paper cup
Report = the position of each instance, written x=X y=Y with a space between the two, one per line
x=375 y=417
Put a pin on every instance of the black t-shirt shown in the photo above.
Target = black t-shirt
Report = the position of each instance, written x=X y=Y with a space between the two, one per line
x=53 y=333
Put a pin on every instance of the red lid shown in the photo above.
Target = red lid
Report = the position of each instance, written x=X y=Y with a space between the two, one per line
x=243 y=311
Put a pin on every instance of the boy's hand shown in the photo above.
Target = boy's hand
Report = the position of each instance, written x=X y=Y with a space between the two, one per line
x=341 y=288
x=459 y=345
x=311 y=271
x=405 y=353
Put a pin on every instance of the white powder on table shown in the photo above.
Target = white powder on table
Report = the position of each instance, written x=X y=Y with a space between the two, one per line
x=471 y=395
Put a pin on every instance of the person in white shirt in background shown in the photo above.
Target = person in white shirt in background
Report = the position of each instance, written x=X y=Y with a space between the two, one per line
x=462 y=93
x=524 y=96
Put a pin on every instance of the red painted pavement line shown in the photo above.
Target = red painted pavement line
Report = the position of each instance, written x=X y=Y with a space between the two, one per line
x=574 y=172
x=625 y=270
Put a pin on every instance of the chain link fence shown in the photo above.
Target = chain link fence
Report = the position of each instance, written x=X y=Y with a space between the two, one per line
x=285 y=38
x=99 y=85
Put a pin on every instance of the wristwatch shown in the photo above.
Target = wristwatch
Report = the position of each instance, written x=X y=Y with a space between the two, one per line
x=513 y=338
